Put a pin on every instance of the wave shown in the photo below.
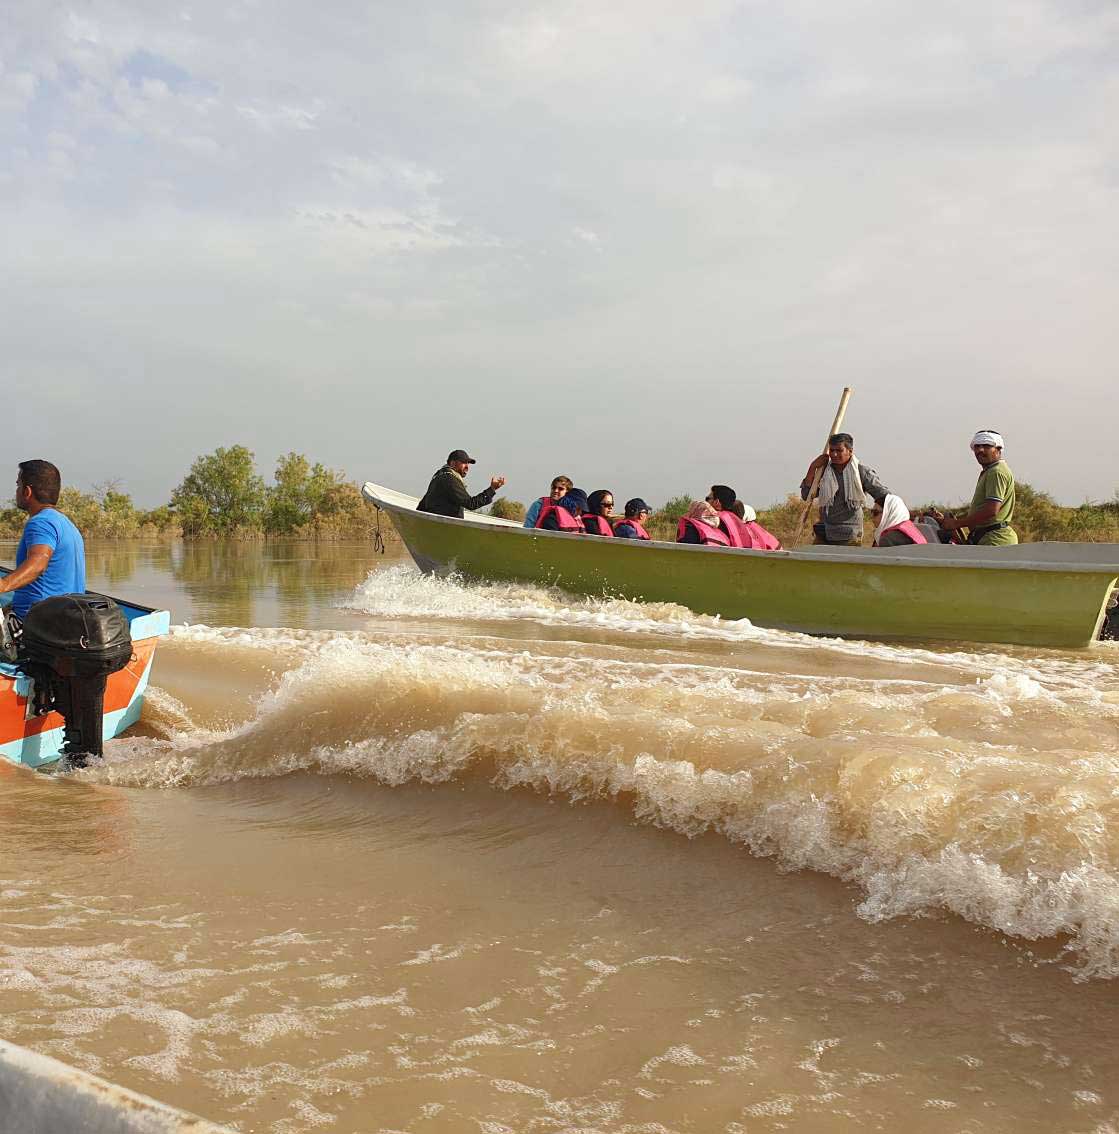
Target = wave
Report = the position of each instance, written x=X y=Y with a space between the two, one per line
x=401 y=591
x=992 y=794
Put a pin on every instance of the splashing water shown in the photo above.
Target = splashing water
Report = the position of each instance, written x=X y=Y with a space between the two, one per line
x=981 y=784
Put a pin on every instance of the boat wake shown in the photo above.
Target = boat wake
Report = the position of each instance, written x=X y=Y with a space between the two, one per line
x=983 y=785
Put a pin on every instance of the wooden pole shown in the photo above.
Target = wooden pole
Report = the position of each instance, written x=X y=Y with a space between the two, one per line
x=836 y=423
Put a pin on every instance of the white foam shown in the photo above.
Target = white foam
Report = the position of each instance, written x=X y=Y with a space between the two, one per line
x=402 y=591
x=925 y=796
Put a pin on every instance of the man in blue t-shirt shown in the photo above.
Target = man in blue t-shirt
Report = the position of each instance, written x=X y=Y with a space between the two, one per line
x=51 y=555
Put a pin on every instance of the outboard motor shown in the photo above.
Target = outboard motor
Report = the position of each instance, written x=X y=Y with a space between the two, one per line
x=69 y=646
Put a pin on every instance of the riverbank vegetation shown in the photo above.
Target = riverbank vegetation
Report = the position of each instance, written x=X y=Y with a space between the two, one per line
x=222 y=495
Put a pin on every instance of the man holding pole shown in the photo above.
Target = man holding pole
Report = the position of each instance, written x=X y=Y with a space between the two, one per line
x=844 y=484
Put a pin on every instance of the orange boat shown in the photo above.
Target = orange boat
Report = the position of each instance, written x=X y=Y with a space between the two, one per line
x=33 y=740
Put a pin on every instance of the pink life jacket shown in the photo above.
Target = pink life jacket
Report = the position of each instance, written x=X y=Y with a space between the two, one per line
x=732 y=528
x=909 y=528
x=749 y=534
x=706 y=533
x=596 y=525
x=762 y=539
x=641 y=532
x=567 y=522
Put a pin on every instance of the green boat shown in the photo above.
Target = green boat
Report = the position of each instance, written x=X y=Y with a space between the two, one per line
x=1035 y=594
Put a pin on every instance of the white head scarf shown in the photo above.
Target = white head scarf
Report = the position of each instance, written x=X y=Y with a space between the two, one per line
x=894 y=512
x=852 y=484
x=748 y=514
x=987 y=437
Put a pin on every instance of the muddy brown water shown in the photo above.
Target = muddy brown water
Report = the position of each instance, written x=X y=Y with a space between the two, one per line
x=390 y=853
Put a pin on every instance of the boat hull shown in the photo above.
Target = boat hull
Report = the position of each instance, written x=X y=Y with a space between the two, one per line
x=948 y=594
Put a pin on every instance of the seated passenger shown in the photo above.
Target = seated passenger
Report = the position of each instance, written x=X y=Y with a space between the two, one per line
x=701 y=525
x=762 y=538
x=739 y=533
x=633 y=526
x=895 y=528
x=564 y=514
x=600 y=504
x=560 y=485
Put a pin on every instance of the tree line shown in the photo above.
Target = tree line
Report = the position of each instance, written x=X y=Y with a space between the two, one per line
x=223 y=495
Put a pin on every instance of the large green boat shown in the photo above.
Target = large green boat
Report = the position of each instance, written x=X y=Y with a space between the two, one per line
x=1035 y=594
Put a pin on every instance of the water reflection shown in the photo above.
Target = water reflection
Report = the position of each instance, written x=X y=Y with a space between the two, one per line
x=234 y=582
x=229 y=583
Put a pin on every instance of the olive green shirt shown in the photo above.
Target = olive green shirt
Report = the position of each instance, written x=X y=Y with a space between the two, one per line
x=996 y=482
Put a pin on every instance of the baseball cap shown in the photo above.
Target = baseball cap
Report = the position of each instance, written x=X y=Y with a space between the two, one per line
x=636 y=505
x=460 y=455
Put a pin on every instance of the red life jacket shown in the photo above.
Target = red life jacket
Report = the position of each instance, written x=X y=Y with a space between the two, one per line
x=909 y=528
x=706 y=533
x=763 y=540
x=596 y=525
x=567 y=522
x=641 y=532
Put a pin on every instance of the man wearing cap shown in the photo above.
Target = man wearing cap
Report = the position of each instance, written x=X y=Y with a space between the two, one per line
x=446 y=495
x=992 y=506
x=633 y=526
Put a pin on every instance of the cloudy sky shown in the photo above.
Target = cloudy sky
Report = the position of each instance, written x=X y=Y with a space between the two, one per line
x=641 y=242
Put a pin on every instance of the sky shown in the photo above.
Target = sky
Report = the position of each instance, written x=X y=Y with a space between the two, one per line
x=640 y=242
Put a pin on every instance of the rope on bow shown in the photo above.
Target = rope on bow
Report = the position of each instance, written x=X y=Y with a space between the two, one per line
x=378 y=538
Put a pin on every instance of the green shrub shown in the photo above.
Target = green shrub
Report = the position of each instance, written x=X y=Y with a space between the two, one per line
x=507 y=509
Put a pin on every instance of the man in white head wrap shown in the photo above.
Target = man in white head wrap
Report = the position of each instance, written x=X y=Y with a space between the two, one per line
x=844 y=487
x=992 y=507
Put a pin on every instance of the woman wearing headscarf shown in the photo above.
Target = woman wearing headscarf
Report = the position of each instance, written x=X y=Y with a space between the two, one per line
x=895 y=528
x=600 y=504
x=564 y=514
x=701 y=525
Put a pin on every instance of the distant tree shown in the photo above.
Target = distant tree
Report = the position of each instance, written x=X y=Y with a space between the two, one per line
x=302 y=494
x=160 y=519
x=507 y=509
x=662 y=522
x=11 y=522
x=222 y=494
x=82 y=508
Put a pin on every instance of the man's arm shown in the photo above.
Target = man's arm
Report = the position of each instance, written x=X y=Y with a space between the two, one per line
x=38 y=556
x=872 y=485
x=983 y=515
x=806 y=485
x=473 y=502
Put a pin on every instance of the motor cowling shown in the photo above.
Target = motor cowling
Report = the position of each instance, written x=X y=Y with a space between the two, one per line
x=77 y=635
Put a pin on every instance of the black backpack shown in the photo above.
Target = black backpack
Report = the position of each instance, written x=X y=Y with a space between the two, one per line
x=77 y=636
